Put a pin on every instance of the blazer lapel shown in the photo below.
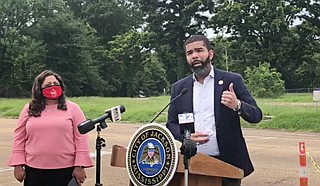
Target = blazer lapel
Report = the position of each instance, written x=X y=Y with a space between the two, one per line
x=189 y=95
x=218 y=88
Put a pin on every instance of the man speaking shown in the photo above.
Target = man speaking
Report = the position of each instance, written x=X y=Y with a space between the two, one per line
x=216 y=99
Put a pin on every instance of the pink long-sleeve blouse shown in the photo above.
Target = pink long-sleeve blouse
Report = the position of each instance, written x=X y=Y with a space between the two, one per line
x=51 y=141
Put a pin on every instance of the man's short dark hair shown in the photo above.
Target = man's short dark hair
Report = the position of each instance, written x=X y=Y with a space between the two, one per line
x=194 y=38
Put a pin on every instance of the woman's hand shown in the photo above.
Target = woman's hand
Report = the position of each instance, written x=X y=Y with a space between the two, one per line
x=80 y=174
x=19 y=173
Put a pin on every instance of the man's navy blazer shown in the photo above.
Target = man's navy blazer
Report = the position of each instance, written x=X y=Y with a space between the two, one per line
x=232 y=146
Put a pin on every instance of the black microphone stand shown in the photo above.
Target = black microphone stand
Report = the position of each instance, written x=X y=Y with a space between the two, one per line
x=188 y=149
x=184 y=91
x=100 y=142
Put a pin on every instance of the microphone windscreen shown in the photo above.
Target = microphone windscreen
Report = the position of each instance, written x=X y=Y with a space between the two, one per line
x=86 y=126
x=122 y=109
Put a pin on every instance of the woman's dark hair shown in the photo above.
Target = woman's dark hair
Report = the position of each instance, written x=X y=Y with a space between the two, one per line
x=37 y=104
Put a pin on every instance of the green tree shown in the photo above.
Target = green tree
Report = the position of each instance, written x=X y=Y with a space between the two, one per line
x=316 y=78
x=154 y=76
x=108 y=17
x=265 y=82
x=267 y=31
x=222 y=50
x=172 y=22
x=21 y=57
x=131 y=68
x=71 y=48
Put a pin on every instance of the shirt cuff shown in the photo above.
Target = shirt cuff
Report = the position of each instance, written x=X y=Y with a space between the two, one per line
x=17 y=158
x=83 y=159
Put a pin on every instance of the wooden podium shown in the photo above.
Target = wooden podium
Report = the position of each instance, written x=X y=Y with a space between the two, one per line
x=203 y=169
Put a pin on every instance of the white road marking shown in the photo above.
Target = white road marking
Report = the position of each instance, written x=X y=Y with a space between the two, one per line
x=252 y=138
x=93 y=154
x=269 y=138
x=6 y=169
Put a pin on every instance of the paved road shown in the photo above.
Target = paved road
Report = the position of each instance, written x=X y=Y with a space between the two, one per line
x=274 y=154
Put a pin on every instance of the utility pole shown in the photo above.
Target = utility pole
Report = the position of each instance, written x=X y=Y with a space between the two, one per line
x=226 y=55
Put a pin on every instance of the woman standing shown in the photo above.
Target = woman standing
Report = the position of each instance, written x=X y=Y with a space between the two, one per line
x=47 y=147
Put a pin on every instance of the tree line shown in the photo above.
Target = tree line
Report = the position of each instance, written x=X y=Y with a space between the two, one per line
x=125 y=47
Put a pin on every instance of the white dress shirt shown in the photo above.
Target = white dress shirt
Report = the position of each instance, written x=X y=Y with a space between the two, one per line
x=203 y=108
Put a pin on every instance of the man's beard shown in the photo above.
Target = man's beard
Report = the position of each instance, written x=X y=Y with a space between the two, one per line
x=203 y=69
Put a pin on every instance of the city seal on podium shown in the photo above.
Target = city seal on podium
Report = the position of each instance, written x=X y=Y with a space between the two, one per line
x=152 y=156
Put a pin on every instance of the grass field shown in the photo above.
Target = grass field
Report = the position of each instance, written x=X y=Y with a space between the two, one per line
x=291 y=112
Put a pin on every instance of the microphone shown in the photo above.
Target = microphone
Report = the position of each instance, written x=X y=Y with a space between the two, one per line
x=189 y=147
x=183 y=91
x=114 y=114
x=186 y=124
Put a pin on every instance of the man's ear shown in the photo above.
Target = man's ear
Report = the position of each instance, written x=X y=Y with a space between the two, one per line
x=211 y=54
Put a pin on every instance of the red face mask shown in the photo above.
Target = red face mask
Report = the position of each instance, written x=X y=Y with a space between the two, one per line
x=52 y=92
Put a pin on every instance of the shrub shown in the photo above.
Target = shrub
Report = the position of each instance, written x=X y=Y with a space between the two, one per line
x=264 y=82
